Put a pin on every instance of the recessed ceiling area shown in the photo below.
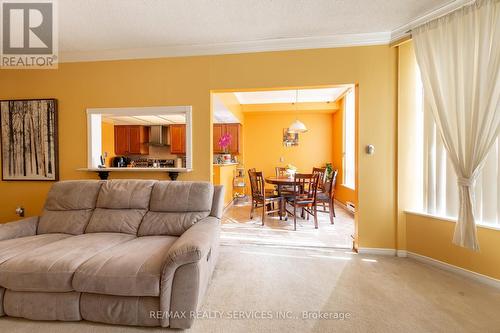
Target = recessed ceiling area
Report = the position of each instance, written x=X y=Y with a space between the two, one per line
x=222 y=115
x=145 y=120
x=117 y=29
x=291 y=96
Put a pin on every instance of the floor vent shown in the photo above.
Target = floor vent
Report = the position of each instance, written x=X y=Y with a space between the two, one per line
x=350 y=206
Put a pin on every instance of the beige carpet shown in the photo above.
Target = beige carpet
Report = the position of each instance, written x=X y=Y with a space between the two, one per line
x=380 y=294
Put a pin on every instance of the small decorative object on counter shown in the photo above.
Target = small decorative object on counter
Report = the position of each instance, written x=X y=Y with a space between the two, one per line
x=224 y=143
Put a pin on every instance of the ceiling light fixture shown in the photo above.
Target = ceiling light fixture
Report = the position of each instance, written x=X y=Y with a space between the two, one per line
x=297 y=126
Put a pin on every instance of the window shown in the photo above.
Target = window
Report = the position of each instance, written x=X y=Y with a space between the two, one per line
x=440 y=192
x=349 y=140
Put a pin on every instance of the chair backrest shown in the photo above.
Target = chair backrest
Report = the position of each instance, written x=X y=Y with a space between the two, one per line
x=306 y=186
x=331 y=182
x=256 y=183
x=321 y=172
x=280 y=171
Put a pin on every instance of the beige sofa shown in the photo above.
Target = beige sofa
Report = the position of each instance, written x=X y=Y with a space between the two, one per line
x=129 y=252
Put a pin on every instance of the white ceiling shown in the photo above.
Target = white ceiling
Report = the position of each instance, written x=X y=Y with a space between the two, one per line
x=291 y=96
x=113 y=29
x=145 y=120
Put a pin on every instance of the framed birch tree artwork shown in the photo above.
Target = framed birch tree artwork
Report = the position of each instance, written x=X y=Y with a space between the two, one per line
x=29 y=139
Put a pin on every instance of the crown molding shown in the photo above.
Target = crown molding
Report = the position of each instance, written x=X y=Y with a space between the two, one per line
x=268 y=45
x=405 y=30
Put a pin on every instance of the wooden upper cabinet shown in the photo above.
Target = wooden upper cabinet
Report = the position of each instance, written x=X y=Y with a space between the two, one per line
x=218 y=132
x=234 y=130
x=121 y=140
x=178 y=139
x=139 y=137
x=131 y=140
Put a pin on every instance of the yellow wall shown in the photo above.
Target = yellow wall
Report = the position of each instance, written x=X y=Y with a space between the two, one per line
x=189 y=81
x=108 y=141
x=264 y=141
x=342 y=193
x=224 y=175
x=432 y=237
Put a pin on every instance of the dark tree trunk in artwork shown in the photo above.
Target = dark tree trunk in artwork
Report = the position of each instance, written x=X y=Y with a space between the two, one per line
x=49 y=136
x=11 y=137
x=33 y=134
x=23 y=134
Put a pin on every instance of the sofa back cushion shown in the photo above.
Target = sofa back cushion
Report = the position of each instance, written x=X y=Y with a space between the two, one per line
x=69 y=207
x=121 y=205
x=176 y=206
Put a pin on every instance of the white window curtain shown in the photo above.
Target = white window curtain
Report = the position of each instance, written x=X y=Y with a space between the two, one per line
x=459 y=60
x=349 y=140
x=440 y=192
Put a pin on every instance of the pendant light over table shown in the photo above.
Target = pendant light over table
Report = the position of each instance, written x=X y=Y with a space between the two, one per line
x=297 y=126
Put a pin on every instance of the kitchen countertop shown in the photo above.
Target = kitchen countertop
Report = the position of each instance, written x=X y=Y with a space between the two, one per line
x=225 y=164
x=137 y=169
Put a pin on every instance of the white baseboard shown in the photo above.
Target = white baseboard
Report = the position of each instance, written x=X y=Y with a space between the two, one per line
x=455 y=269
x=377 y=251
x=433 y=262
x=382 y=251
x=402 y=253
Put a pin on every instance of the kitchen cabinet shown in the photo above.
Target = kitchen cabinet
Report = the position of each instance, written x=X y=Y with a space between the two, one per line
x=131 y=140
x=234 y=130
x=178 y=139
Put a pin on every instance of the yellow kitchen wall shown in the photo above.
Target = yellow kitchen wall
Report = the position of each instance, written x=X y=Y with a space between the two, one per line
x=264 y=141
x=342 y=193
x=108 y=141
x=189 y=81
x=419 y=233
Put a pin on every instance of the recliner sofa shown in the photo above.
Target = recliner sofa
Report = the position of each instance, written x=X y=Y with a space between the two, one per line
x=129 y=252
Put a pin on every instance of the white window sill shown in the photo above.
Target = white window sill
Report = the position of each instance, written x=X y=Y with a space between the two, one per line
x=348 y=186
x=451 y=219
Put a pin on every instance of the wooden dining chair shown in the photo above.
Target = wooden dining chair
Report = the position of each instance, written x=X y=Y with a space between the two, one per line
x=285 y=190
x=280 y=172
x=327 y=196
x=262 y=199
x=304 y=196
x=321 y=172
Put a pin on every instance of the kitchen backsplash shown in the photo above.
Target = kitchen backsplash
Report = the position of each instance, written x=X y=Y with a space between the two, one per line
x=156 y=152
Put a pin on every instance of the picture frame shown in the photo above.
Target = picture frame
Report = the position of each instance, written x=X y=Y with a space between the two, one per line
x=290 y=139
x=29 y=139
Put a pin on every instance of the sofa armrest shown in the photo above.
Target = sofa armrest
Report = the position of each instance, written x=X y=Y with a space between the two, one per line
x=21 y=228
x=193 y=245
x=187 y=270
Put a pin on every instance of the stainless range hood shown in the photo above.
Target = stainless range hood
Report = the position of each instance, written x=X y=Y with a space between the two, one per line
x=159 y=135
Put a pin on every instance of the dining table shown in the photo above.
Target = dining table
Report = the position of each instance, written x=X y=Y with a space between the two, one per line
x=280 y=182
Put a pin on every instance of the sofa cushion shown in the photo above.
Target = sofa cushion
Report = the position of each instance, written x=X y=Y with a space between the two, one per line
x=125 y=194
x=69 y=206
x=121 y=205
x=16 y=246
x=126 y=221
x=132 y=268
x=176 y=206
x=50 y=268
